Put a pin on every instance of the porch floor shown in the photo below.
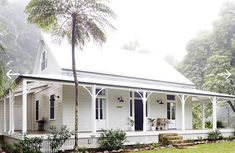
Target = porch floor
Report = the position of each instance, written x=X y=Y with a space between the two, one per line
x=87 y=134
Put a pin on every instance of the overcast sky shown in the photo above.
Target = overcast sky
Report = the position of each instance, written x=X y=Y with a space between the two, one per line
x=162 y=26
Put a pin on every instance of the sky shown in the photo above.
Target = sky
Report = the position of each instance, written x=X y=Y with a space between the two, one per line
x=161 y=26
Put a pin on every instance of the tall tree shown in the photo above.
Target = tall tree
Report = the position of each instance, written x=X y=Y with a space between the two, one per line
x=212 y=54
x=77 y=20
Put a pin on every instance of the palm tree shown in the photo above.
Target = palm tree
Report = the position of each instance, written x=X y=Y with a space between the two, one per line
x=77 y=20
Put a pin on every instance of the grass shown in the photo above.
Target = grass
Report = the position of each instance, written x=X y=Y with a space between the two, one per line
x=225 y=147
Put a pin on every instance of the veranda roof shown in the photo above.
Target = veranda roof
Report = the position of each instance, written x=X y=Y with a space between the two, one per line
x=122 y=84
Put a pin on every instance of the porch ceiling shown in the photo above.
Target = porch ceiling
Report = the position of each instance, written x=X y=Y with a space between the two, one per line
x=123 y=84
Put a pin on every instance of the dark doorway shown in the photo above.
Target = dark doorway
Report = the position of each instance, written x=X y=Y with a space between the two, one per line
x=138 y=115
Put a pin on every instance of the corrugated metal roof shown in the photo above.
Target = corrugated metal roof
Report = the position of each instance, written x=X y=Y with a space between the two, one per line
x=116 y=62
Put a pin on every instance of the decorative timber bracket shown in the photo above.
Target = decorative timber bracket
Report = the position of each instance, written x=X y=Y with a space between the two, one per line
x=232 y=105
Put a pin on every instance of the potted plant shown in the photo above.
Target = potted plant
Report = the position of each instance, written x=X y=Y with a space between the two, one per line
x=131 y=123
x=41 y=124
x=152 y=123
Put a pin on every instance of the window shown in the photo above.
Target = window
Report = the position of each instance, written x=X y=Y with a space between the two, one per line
x=131 y=108
x=146 y=109
x=100 y=108
x=43 y=61
x=171 y=111
x=52 y=107
x=171 y=106
x=37 y=109
x=170 y=97
x=100 y=104
x=100 y=92
x=137 y=95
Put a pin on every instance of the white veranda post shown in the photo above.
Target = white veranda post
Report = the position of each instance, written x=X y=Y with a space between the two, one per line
x=214 y=101
x=183 y=99
x=5 y=120
x=12 y=112
x=183 y=112
x=93 y=109
x=203 y=114
x=144 y=99
x=24 y=107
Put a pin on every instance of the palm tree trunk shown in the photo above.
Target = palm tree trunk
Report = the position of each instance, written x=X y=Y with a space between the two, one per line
x=74 y=20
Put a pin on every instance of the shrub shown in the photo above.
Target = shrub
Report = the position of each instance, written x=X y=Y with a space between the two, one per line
x=28 y=145
x=156 y=145
x=112 y=139
x=213 y=136
x=31 y=145
x=139 y=145
x=58 y=137
x=230 y=138
x=208 y=125
x=220 y=124
x=11 y=148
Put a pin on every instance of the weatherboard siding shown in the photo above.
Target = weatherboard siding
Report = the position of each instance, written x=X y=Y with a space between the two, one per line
x=69 y=108
x=118 y=112
x=18 y=103
x=43 y=96
x=157 y=110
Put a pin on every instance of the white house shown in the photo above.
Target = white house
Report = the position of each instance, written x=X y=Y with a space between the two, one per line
x=115 y=85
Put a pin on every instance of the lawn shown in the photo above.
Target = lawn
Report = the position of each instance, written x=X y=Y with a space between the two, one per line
x=225 y=147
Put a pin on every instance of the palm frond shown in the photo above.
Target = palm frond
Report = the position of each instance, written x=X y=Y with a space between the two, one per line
x=42 y=13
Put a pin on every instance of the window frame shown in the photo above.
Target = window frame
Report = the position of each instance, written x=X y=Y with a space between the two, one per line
x=171 y=102
x=43 y=61
x=37 y=110
x=54 y=115
x=101 y=104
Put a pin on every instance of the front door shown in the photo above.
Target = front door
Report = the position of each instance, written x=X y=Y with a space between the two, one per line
x=138 y=115
x=171 y=106
x=18 y=117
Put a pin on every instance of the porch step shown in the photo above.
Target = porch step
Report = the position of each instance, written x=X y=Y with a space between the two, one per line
x=173 y=139
x=164 y=135
x=173 y=142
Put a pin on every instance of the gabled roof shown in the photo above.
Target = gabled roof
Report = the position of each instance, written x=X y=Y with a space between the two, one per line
x=118 y=62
